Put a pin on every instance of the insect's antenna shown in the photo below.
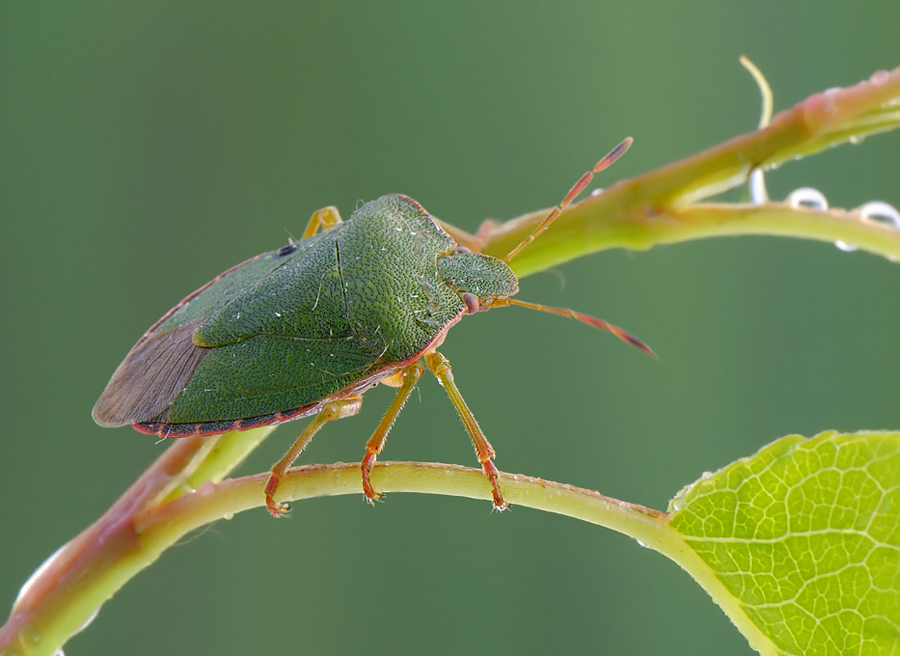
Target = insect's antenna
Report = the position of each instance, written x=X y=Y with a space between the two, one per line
x=585 y=180
x=583 y=318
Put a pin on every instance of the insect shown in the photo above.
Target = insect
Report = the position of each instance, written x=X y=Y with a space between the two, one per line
x=305 y=330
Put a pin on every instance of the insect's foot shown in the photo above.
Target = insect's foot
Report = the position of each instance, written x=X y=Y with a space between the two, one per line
x=276 y=509
x=372 y=497
x=497 y=499
x=493 y=476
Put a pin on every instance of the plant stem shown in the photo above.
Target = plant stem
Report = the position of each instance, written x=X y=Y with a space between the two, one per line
x=163 y=526
x=134 y=545
x=656 y=207
x=66 y=592
x=586 y=230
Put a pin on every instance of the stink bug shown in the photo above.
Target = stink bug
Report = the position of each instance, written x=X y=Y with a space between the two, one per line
x=305 y=330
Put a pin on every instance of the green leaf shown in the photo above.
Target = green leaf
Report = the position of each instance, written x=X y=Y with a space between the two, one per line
x=805 y=539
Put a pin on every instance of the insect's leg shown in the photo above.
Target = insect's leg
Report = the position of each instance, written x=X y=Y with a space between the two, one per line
x=325 y=218
x=332 y=410
x=410 y=376
x=440 y=367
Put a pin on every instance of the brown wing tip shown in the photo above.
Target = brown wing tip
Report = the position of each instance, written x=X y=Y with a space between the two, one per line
x=104 y=412
x=153 y=374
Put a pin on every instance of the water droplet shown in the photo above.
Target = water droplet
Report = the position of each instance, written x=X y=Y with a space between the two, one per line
x=597 y=191
x=879 y=212
x=807 y=197
x=677 y=502
x=641 y=544
x=228 y=516
x=844 y=246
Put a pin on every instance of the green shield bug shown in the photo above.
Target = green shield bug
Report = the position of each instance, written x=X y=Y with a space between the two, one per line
x=305 y=330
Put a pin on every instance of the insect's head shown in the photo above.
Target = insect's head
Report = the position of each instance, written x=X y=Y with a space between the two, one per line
x=479 y=279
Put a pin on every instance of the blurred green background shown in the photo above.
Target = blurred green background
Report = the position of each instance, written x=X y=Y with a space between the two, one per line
x=146 y=147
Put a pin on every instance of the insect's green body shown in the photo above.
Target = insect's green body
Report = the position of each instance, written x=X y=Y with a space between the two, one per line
x=307 y=329
x=274 y=337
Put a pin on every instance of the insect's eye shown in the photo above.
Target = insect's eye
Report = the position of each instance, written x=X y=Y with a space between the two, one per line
x=287 y=250
x=472 y=303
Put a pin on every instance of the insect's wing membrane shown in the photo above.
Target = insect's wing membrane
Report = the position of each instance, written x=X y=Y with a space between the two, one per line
x=151 y=377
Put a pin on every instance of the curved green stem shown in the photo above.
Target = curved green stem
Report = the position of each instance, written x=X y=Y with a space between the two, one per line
x=163 y=526
x=132 y=545
x=657 y=207
x=587 y=228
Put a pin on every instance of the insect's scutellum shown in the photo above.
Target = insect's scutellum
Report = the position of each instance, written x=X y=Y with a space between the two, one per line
x=307 y=329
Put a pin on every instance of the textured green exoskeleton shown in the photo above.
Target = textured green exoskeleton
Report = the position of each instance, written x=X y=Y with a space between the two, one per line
x=307 y=329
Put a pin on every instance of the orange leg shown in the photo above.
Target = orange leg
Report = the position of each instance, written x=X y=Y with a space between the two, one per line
x=410 y=376
x=325 y=218
x=330 y=411
x=440 y=367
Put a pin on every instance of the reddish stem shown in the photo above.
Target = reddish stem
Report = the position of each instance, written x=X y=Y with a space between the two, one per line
x=99 y=546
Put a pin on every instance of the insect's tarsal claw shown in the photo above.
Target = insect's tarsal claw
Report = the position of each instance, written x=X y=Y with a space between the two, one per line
x=500 y=508
x=378 y=496
x=279 y=510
